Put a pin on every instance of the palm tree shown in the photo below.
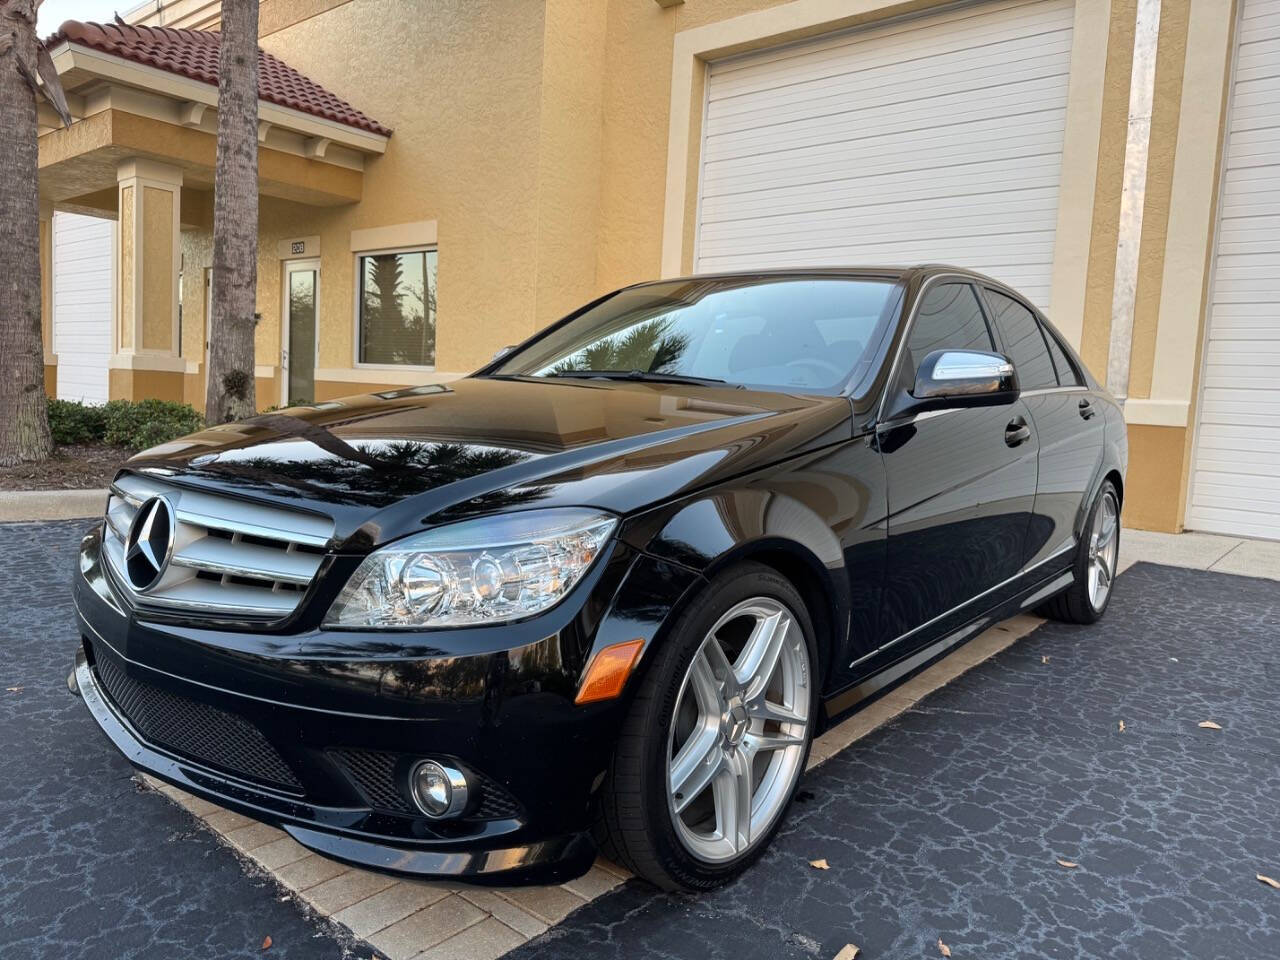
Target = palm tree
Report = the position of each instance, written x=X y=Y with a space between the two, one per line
x=24 y=421
x=229 y=388
x=650 y=346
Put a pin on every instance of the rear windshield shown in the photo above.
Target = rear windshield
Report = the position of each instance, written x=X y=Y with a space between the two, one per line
x=800 y=335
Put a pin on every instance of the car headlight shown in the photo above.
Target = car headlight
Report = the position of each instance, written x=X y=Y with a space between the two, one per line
x=489 y=570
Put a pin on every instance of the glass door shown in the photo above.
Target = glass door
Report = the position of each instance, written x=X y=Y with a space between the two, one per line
x=298 y=346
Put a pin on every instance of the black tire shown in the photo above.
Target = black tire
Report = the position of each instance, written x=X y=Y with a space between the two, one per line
x=1074 y=605
x=634 y=823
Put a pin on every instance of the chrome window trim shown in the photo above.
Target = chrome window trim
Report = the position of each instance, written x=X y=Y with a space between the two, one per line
x=1043 y=391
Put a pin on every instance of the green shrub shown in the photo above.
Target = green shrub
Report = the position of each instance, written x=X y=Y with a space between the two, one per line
x=72 y=422
x=148 y=422
x=122 y=423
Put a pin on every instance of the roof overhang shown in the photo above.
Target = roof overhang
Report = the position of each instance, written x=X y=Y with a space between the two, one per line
x=79 y=66
x=124 y=109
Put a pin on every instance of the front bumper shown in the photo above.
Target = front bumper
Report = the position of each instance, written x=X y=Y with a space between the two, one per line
x=255 y=724
x=321 y=829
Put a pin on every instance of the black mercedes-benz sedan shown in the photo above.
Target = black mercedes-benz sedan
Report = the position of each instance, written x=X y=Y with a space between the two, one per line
x=602 y=594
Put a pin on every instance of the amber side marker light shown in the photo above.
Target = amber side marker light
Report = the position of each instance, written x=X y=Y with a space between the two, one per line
x=608 y=671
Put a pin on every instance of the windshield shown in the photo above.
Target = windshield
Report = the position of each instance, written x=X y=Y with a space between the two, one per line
x=800 y=335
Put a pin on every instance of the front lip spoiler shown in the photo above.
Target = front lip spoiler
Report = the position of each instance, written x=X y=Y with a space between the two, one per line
x=549 y=861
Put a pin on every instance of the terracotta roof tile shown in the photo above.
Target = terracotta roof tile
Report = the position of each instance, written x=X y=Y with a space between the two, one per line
x=194 y=54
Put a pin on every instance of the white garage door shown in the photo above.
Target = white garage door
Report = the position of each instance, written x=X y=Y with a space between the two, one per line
x=1235 y=486
x=82 y=305
x=936 y=139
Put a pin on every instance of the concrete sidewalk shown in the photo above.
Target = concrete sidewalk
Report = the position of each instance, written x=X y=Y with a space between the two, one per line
x=25 y=506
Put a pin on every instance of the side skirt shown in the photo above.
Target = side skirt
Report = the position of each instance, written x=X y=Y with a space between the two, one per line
x=855 y=695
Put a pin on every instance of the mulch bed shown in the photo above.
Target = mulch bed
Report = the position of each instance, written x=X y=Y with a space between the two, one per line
x=72 y=467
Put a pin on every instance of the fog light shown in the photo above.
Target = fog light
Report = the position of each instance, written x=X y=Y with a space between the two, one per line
x=438 y=790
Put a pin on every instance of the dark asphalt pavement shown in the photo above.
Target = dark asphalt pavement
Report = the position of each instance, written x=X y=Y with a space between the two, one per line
x=945 y=824
x=90 y=866
x=948 y=822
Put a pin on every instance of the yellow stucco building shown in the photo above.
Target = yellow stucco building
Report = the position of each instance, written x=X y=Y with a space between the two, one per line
x=503 y=161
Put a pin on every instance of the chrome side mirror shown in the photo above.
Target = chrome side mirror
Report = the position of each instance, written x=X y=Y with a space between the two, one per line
x=948 y=379
x=964 y=373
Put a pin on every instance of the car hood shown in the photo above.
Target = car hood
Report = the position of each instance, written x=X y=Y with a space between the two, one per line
x=386 y=464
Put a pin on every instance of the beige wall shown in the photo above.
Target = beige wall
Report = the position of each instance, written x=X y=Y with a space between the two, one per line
x=545 y=142
x=461 y=86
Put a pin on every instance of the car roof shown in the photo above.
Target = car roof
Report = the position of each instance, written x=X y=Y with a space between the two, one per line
x=920 y=270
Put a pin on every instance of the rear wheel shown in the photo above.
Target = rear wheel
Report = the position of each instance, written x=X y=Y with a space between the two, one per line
x=717 y=736
x=1095 y=564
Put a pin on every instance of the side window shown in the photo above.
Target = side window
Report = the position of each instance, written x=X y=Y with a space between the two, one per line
x=1020 y=331
x=949 y=318
x=1067 y=375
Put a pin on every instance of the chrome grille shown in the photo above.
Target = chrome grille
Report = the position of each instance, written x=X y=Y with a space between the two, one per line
x=229 y=556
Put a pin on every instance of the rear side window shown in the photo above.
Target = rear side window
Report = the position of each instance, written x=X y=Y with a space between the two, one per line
x=1024 y=342
x=949 y=318
x=1067 y=375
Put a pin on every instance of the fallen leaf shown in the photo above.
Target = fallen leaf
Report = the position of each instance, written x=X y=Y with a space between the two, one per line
x=820 y=864
x=1068 y=864
x=848 y=952
x=1122 y=726
x=943 y=948
x=1209 y=725
x=1269 y=882
x=266 y=942
x=14 y=689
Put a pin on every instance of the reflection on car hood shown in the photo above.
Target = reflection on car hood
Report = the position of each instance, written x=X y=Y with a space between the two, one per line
x=386 y=463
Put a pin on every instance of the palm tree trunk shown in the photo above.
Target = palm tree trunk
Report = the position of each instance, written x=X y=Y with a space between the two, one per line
x=230 y=384
x=24 y=424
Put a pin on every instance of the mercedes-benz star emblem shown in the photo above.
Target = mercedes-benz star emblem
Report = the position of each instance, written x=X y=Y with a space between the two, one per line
x=150 y=541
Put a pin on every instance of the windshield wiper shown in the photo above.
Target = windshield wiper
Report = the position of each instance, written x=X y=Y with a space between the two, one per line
x=651 y=377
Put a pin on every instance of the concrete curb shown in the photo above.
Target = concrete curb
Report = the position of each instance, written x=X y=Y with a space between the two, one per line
x=17 y=506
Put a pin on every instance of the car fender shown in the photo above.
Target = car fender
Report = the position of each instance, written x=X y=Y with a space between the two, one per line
x=713 y=531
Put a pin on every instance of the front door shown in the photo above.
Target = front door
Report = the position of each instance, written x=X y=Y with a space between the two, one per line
x=961 y=485
x=298 y=340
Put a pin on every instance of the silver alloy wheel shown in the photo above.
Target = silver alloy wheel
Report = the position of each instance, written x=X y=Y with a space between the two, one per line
x=739 y=730
x=1104 y=548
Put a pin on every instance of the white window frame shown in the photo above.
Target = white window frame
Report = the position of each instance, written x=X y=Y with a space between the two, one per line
x=357 y=278
x=301 y=265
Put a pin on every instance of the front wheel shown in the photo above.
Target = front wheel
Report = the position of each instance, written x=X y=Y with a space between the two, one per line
x=1097 y=554
x=717 y=736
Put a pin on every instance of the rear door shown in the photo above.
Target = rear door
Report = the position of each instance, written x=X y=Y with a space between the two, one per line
x=961 y=483
x=1069 y=426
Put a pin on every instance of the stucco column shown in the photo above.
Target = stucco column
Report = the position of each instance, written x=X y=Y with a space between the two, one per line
x=46 y=299
x=1161 y=422
x=145 y=359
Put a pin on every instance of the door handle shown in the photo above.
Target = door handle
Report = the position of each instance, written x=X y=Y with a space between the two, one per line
x=1017 y=432
x=1086 y=408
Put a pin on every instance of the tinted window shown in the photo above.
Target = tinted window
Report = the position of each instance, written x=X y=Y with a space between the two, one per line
x=1023 y=341
x=776 y=334
x=1067 y=375
x=949 y=318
